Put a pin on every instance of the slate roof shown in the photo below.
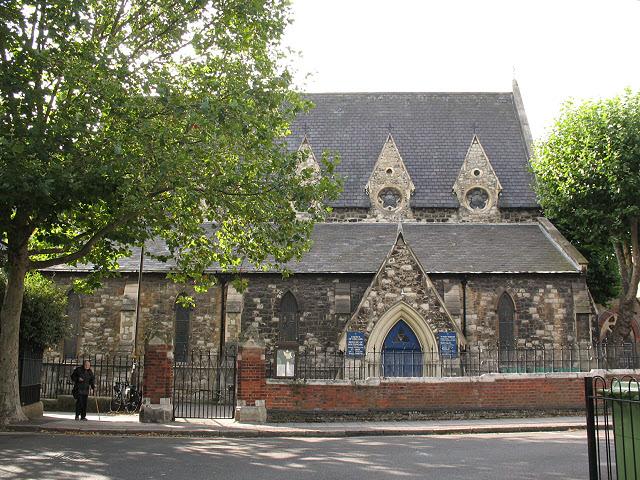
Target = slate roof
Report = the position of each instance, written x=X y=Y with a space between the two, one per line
x=433 y=132
x=440 y=248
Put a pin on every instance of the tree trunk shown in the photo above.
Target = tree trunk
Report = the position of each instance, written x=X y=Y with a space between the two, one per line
x=10 y=409
x=622 y=331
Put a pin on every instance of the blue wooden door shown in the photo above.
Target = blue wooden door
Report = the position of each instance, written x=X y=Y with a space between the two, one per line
x=401 y=354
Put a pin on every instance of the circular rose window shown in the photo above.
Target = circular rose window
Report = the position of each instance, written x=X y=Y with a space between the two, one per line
x=477 y=198
x=389 y=198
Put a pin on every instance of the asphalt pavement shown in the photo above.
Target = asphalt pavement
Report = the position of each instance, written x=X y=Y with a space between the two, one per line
x=512 y=456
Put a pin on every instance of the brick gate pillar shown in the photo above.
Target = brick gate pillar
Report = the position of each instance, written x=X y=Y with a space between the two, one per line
x=157 y=382
x=252 y=383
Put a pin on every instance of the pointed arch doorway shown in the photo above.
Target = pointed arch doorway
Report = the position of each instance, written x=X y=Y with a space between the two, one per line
x=401 y=352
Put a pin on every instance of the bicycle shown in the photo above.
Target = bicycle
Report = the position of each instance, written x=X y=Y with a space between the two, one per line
x=125 y=398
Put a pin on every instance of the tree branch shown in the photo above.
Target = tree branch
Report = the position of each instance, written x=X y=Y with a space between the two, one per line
x=140 y=48
x=622 y=265
x=99 y=235
x=85 y=249
x=49 y=106
x=626 y=250
x=635 y=261
x=48 y=251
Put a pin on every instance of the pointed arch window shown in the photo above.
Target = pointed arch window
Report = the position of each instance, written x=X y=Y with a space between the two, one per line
x=182 y=327
x=506 y=319
x=70 y=349
x=288 y=331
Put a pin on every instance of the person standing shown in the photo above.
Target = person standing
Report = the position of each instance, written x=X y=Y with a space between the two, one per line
x=83 y=380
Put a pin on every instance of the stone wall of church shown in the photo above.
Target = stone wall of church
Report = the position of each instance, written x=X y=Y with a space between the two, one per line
x=545 y=309
x=545 y=306
x=433 y=215
x=518 y=215
x=348 y=214
x=106 y=312
x=319 y=325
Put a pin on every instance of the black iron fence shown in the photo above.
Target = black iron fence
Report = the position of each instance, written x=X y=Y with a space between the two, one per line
x=56 y=374
x=613 y=428
x=473 y=361
x=204 y=385
x=29 y=375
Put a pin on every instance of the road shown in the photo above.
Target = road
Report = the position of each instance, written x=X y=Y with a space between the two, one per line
x=560 y=455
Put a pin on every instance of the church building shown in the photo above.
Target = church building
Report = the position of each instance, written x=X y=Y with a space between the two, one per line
x=437 y=233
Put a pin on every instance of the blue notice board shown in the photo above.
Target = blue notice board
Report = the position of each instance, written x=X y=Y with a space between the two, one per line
x=448 y=344
x=355 y=344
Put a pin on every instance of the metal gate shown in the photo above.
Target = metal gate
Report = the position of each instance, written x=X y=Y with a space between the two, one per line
x=613 y=428
x=204 y=386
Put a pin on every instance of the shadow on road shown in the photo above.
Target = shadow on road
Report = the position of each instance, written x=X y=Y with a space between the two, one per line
x=488 y=456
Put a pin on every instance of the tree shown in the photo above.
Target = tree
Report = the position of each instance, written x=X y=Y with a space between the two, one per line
x=603 y=277
x=123 y=120
x=588 y=180
x=43 y=321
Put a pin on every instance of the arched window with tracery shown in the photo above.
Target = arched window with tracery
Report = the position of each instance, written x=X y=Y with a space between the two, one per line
x=288 y=327
x=506 y=319
x=182 y=326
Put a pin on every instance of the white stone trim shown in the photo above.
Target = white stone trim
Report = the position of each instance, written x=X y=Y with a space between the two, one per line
x=486 y=378
x=402 y=311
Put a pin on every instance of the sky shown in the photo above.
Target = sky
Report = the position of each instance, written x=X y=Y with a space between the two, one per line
x=557 y=49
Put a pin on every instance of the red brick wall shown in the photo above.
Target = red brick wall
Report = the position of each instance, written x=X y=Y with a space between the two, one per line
x=157 y=379
x=526 y=393
x=490 y=392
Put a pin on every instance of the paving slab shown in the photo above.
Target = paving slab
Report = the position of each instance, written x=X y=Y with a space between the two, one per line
x=60 y=422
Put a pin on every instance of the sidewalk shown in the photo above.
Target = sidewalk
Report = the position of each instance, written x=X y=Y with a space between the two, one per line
x=53 y=422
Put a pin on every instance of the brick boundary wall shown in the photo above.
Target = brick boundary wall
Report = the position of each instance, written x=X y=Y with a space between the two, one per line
x=157 y=379
x=496 y=392
x=489 y=392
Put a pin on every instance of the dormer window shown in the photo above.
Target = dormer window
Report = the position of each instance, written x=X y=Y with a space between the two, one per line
x=390 y=186
x=477 y=186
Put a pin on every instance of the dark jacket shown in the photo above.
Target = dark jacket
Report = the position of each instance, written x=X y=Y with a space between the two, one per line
x=89 y=378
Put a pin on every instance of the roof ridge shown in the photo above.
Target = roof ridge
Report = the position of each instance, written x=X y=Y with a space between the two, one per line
x=413 y=92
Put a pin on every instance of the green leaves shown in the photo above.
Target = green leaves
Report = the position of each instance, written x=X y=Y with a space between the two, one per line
x=123 y=121
x=588 y=178
x=43 y=322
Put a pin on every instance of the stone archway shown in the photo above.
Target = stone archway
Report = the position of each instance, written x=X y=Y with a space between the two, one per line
x=402 y=311
x=424 y=361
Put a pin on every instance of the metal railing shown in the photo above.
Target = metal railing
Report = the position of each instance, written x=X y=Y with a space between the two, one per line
x=56 y=374
x=204 y=385
x=613 y=428
x=29 y=373
x=475 y=360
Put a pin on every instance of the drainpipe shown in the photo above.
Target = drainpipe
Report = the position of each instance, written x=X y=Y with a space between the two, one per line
x=463 y=282
x=135 y=337
x=223 y=308
x=221 y=357
x=135 y=334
